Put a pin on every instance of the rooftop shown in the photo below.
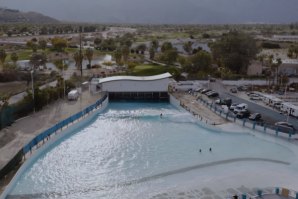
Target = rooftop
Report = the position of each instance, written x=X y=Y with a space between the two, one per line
x=135 y=78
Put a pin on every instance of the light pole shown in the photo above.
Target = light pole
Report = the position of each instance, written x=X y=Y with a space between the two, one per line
x=32 y=72
x=208 y=81
x=63 y=79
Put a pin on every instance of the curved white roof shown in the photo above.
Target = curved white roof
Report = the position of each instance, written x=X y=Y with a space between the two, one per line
x=135 y=78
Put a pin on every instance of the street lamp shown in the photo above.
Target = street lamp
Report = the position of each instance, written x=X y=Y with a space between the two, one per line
x=208 y=81
x=32 y=72
x=63 y=78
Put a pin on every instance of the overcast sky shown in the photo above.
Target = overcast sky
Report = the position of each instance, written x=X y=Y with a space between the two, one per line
x=163 y=11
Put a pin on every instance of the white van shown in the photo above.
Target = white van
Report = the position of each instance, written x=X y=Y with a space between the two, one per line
x=240 y=108
x=73 y=95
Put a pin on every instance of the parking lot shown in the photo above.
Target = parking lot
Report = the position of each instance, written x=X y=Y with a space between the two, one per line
x=269 y=115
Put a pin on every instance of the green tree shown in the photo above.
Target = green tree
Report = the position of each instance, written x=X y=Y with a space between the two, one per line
x=166 y=46
x=59 y=44
x=235 y=50
x=97 y=42
x=125 y=53
x=38 y=59
x=89 y=55
x=14 y=57
x=32 y=45
x=187 y=46
x=293 y=52
x=2 y=58
x=60 y=65
x=201 y=61
x=152 y=52
x=155 y=44
x=109 y=44
x=42 y=44
x=142 y=47
x=118 y=56
x=169 y=57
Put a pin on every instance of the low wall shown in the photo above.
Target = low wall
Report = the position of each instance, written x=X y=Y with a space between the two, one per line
x=245 y=122
x=87 y=115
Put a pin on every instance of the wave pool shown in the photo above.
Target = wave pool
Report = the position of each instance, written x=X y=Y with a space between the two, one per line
x=129 y=151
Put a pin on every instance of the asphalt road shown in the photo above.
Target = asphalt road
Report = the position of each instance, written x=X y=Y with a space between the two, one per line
x=269 y=116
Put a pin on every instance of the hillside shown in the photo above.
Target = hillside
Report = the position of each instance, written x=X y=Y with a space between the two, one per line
x=16 y=16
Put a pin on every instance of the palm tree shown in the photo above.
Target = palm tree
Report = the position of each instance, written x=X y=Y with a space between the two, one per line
x=276 y=66
x=78 y=58
x=125 y=53
x=89 y=55
x=118 y=56
x=60 y=64
x=14 y=57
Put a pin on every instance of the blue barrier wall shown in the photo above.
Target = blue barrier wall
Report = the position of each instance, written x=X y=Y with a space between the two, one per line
x=102 y=102
x=44 y=135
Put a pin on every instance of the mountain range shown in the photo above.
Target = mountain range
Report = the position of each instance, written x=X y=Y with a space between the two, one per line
x=164 y=11
x=16 y=16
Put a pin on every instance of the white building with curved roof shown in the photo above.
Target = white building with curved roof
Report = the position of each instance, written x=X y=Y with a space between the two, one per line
x=133 y=87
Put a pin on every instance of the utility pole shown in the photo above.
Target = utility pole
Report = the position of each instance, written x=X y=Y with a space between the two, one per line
x=81 y=57
x=32 y=72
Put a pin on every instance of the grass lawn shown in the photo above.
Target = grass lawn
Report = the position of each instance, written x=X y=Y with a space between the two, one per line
x=23 y=55
x=148 y=70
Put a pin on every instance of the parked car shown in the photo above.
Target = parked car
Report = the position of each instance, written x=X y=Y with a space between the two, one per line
x=240 y=108
x=209 y=92
x=212 y=80
x=255 y=117
x=255 y=97
x=199 y=89
x=205 y=90
x=226 y=101
x=277 y=105
x=214 y=94
x=243 y=114
x=233 y=90
x=73 y=95
x=233 y=106
x=242 y=88
x=285 y=127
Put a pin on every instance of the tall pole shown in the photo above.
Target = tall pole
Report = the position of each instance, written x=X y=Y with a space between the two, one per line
x=63 y=79
x=33 y=90
x=81 y=59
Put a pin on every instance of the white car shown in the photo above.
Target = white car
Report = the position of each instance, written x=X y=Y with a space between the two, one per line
x=233 y=106
x=73 y=95
x=255 y=97
x=240 y=108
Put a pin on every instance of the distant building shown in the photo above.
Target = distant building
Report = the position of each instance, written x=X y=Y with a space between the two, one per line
x=132 y=87
x=289 y=67
x=285 y=37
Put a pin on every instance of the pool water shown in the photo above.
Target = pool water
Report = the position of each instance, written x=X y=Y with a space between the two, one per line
x=130 y=151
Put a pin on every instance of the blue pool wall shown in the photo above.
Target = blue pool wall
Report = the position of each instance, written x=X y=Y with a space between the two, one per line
x=72 y=129
x=55 y=140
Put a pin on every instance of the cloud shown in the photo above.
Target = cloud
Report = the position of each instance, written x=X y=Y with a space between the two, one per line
x=163 y=11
